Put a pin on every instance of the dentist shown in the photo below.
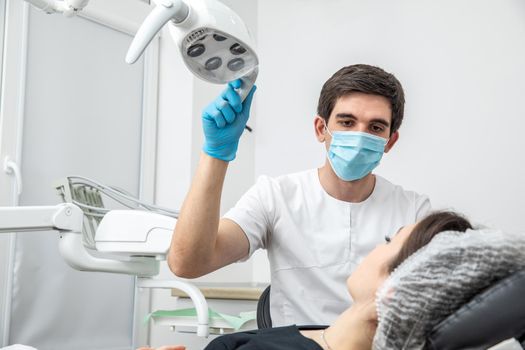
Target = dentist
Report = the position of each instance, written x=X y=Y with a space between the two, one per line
x=317 y=225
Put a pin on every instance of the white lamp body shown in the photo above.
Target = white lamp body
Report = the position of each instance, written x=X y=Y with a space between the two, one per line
x=213 y=40
x=206 y=18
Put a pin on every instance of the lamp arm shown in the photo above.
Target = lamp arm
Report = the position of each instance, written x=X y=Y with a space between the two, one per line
x=67 y=7
x=48 y=6
x=175 y=10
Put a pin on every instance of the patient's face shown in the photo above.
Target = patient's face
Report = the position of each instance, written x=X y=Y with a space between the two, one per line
x=373 y=270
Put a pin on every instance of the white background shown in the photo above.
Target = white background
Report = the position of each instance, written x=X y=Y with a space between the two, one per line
x=462 y=66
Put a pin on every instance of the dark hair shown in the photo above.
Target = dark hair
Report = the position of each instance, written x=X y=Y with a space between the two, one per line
x=365 y=79
x=426 y=229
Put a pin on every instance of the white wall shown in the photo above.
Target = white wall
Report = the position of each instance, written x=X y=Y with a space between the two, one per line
x=4 y=239
x=461 y=64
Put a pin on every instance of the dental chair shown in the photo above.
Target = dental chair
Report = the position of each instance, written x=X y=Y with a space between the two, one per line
x=493 y=316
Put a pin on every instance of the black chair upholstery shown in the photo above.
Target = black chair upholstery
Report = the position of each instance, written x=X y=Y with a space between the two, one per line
x=264 y=320
x=491 y=317
x=495 y=315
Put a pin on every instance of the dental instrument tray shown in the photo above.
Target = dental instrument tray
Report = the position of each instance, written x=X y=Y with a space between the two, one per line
x=96 y=200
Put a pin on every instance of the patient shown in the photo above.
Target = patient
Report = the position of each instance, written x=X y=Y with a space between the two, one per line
x=355 y=328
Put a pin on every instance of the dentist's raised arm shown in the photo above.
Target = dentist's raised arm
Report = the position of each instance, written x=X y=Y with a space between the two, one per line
x=202 y=242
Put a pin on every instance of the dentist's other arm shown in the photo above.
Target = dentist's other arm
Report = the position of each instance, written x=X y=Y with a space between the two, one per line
x=202 y=242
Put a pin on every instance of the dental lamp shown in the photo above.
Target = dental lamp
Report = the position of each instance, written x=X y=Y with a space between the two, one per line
x=67 y=7
x=93 y=238
x=213 y=41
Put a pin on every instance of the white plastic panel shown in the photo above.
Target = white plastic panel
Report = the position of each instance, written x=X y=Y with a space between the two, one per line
x=5 y=240
x=2 y=23
x=83 y=115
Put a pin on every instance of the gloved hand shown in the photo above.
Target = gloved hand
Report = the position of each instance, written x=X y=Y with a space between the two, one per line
x=224 y=120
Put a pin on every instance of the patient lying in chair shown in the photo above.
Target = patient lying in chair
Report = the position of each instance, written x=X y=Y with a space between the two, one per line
x=402 y=289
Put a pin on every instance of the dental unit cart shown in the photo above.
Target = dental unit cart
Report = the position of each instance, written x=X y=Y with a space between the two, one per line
x=132 y=241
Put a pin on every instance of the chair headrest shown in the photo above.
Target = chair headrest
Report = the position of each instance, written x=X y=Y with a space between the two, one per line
x=491 y=317
x=440 y=278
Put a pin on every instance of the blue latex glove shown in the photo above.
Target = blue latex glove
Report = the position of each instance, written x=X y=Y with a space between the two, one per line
x=224 y=120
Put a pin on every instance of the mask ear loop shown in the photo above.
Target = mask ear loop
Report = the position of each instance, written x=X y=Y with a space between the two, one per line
x=326 y=128
x=387 y=141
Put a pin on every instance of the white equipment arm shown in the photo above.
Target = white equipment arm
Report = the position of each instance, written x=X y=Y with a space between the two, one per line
x=62 y=217
x=78 y=257
x=193 y=292
x=67 y=219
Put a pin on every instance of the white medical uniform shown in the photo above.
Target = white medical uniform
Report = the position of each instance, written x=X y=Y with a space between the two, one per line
x=315 y=241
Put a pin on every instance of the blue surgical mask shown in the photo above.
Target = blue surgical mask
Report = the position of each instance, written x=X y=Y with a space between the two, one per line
x=354 y=154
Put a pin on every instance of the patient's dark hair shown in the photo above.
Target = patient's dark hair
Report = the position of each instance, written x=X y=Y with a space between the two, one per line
x=426 y=229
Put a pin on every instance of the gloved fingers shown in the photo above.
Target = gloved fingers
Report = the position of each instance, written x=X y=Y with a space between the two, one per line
x=233 y=98
x=216 y=115
x=226 y=110
x=247 y=104
x=235 y=83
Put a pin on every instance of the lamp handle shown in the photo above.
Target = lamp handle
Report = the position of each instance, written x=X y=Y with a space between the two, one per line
x=247 y=82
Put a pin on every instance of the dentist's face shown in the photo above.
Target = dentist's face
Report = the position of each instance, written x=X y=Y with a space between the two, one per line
x=374 y=269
